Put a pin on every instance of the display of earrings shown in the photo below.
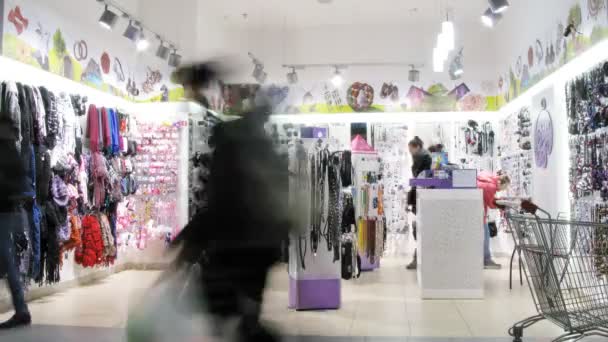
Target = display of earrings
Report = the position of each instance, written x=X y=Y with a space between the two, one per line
x=474 y=146
x=518 y=167
x=515 y=152
x=586 y=98
x=515 y=133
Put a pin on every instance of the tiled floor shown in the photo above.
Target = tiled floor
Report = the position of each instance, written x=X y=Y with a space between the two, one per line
x=383 y=303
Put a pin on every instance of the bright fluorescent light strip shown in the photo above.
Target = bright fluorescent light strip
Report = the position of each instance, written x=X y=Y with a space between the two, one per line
x=12 y=70
x=437 y=60
x=443 y=46
x=447 y=29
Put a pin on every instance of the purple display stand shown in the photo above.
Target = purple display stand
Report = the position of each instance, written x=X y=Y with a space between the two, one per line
x=366 y=265
x=319 y=294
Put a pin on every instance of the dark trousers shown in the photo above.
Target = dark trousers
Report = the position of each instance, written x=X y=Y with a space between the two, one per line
x=9 y=222
x=234 y=282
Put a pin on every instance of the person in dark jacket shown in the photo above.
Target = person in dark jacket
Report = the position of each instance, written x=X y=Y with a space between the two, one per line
x=12 y=186
x=246 y=220
x=421 y=161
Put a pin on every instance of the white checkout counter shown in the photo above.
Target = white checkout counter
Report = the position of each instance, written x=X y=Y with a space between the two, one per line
x=450 y=243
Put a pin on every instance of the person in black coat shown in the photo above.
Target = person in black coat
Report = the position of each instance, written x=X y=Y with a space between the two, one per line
x=12 y=187
x=241 y=231
x=422 y=161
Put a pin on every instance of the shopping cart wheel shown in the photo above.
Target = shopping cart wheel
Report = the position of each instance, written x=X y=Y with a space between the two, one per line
x=518 y=333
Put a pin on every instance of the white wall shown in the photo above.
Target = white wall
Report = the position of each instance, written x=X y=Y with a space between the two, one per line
x=531 y=20
x=351 y=44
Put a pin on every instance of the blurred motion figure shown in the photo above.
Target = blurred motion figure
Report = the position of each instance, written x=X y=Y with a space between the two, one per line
x=239 y=235
x=12 y=187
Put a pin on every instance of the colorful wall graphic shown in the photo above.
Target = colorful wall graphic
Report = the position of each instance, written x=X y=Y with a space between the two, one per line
x=39 y=37
x=551 y=50
x=362 y=97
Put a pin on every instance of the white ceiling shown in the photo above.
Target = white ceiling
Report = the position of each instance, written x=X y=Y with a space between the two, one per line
x=298 y=14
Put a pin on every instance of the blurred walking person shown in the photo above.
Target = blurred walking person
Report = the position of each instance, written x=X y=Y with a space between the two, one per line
x=246 y=220
x=12 y=186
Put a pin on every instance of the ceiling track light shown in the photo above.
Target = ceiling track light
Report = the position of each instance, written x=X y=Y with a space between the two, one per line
x=337 y=80
x=108 y=19
x=175 y=59
x=292 y=77
x=457 y=66
x=498 y=6
x=132 y=31
x=490 y=19
x=135 y=32
x=258 y=73
x=413 y=75
x=142 y=43
x=163 y=51
x=258 y=70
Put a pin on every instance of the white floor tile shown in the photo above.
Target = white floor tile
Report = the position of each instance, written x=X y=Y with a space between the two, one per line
x=385 y=302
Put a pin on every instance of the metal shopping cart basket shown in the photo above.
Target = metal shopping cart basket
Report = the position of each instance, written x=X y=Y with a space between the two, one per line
x=565 y=269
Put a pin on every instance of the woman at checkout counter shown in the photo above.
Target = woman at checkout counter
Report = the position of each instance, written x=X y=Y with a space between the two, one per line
x=490 y=184
x=421 y=162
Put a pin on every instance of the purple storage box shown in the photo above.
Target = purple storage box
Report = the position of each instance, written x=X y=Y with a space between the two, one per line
x=314 y=294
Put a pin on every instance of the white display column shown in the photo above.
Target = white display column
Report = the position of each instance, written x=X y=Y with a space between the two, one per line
x=450 y=243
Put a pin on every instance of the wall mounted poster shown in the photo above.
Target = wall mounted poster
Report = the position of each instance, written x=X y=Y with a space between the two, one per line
x=37 y=35
x=543 y=104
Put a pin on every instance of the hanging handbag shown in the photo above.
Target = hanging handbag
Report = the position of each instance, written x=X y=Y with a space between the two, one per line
x=493 y=229
x=348 y=268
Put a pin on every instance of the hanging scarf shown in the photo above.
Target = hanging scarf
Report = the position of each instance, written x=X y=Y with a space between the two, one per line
x=100 y=179
x=90 y=253
x=93 y=129
x=109 y=249
x=59 y=191
x=75 y=239
x=56 y=216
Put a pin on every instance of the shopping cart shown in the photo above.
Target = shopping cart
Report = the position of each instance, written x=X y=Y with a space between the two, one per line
x=563 y=265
